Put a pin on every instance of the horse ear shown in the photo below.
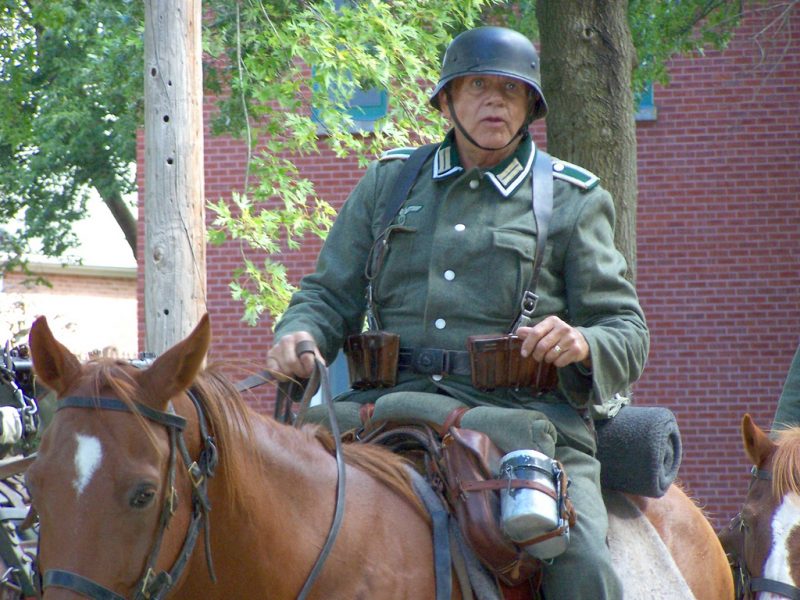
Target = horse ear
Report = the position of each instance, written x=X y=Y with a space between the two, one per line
x=175 y=370
x=757 y=444
x=55 y=366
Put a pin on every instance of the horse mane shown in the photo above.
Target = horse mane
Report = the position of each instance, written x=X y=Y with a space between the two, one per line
x=786 y=463
x=378 y=462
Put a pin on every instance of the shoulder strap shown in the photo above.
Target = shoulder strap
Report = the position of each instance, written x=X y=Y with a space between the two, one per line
x=405 y=181
x=542 y=201
x=401 y=187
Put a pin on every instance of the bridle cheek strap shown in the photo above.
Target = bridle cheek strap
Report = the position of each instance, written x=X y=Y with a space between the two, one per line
x=152 y=585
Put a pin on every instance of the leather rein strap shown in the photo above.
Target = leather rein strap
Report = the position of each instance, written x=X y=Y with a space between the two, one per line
x=287 y=391
x=152 y=585
x=754 y=585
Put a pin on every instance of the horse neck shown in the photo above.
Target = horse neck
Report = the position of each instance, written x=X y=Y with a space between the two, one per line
x=264 y=535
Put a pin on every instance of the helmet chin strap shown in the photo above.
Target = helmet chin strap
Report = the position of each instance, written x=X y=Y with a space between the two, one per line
x=522 y=130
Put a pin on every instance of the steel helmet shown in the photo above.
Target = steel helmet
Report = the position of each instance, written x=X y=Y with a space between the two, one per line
x=493 y=51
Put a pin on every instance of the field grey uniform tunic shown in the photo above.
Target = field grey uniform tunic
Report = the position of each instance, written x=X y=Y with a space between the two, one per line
x=460 y=254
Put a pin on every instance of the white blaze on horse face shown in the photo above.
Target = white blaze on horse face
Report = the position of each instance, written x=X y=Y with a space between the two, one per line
x=776 y=567
x=88 y=455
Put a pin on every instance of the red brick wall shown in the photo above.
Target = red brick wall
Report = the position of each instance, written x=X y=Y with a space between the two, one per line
x=718 y=247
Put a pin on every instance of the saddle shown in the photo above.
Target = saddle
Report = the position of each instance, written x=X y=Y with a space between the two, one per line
x=457 y=463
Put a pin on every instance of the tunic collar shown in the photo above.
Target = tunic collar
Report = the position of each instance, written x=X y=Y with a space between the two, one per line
x=506 y=176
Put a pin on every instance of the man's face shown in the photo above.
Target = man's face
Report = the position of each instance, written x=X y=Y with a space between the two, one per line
x=491 y=108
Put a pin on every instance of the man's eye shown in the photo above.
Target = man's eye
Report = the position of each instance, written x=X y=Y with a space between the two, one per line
x=478 y=83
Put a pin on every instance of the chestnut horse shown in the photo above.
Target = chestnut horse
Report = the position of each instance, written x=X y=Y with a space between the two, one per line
x=117 y=516
x=763 y=540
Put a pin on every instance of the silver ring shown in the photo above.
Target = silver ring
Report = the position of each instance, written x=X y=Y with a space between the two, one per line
x=557 y=348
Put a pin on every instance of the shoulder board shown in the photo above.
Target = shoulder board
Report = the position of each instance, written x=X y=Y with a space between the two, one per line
x=574 y=174
x=396 y=153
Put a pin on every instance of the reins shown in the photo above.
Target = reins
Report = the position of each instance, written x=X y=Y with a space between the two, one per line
x=749 y=586
x=152 y=585
x=287 y=390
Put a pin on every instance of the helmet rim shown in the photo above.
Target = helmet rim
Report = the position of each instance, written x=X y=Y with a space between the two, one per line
x=492 y=51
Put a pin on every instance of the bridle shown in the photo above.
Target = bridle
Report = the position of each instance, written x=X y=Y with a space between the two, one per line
x=153 y=585
x=748 y=586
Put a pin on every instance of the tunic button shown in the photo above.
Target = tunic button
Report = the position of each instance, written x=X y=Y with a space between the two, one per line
x=439 y=323
x=436 y=377
x=460 y=227
x=474 y=184
x=449 y=275
x=558 y=167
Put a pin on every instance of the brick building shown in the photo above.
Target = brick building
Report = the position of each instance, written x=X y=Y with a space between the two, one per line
x=90 y=303
x=718 y=245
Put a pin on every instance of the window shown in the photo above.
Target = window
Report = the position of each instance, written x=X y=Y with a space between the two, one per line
x=647 y=110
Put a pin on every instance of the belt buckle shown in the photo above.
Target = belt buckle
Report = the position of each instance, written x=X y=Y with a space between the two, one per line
x=430 y=361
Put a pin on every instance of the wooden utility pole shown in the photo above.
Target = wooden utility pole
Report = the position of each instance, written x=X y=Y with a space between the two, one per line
x=174 y=205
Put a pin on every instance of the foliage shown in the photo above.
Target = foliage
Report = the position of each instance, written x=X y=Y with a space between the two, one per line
x=278 y=61
x=70 y=81
x=660 y=30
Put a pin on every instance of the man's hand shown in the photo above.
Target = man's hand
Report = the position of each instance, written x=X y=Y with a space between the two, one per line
x=554 y=341
x=284 y=361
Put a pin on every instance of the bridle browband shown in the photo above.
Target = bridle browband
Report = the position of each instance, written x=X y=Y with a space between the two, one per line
x=747 y=584
x=152 y=585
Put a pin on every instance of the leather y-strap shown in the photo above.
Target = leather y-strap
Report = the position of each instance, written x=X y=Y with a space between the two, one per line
x=542 y=203
x=401 y=187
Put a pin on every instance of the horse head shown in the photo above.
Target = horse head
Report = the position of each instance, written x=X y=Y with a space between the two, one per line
x=765 y=538
x=104 y=483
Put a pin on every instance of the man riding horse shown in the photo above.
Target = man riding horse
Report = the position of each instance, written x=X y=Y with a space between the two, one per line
x=495 y=238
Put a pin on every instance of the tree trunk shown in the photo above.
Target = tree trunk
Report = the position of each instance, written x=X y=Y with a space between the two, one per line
x=174 y=206
x=122 y=215
x=587 y=59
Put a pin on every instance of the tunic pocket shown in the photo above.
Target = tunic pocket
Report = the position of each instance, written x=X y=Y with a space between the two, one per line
x=507 y=267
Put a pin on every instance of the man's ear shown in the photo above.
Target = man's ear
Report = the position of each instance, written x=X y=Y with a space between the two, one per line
x=443 y=97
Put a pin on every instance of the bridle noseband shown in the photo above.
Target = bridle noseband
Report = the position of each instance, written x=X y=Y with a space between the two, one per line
x=746 y=584
x=152 y=585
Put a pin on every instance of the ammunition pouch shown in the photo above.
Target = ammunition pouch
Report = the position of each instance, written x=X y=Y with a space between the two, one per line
x=496 y=362
x=372 y=359
x=493 y=361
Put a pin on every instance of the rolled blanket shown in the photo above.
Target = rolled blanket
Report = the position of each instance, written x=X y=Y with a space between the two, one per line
x=639 y=450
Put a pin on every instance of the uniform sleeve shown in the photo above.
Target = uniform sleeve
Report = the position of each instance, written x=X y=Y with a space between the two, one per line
x=330 y=303
x=604 y=306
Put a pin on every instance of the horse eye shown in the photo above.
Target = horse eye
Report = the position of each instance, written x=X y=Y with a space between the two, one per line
x=142 y=497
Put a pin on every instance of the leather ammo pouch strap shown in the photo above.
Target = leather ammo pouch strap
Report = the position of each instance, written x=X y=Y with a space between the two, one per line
x=495 y=360
x=372 y=356
x=475 y=499
x=542 y=206
x=401 y=188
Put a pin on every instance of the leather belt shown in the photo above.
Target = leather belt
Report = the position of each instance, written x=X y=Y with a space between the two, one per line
x=434 y=361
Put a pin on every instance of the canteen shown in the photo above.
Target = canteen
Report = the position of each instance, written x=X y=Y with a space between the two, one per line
x=528 y=513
